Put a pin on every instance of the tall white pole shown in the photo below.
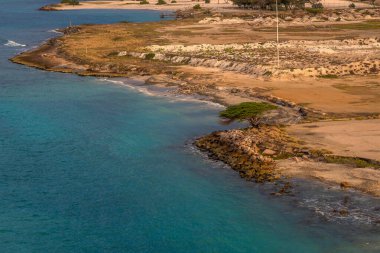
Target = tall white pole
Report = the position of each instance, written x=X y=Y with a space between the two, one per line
x=278 y=49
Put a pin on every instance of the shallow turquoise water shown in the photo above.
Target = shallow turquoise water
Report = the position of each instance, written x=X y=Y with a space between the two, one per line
x=91 y=166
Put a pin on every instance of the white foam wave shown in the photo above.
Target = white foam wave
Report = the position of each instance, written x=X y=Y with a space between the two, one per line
x=55 y=31
x=171 y=97
x=11 y=43
x=143 y=90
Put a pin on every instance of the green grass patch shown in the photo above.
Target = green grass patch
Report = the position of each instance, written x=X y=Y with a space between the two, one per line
x=150 y=56
x=314 y=10
x=118 y=38
x=354 y=161
x=113 y=53
x=72 y=2
x=246 y=110
x=366 y=25
x=283 y=156
x=197 y=7
x=328 y=76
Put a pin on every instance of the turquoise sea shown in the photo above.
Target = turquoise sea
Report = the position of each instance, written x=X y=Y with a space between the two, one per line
x=88 y=165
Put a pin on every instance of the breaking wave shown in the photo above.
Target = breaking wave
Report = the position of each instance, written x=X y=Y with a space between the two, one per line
x=11 y=43
x=148 y=90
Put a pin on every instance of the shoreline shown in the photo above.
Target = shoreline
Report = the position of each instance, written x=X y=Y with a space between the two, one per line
x=50 y=57
x=155 y=90
x=169 y=5
x=132 y=5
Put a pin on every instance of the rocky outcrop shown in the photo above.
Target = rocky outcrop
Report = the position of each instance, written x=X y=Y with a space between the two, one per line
x=252 y=151
x=50 y=7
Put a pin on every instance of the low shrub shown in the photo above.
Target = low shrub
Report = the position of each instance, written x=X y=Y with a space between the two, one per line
x=314 y=10
x=317 y=5
x=328 y=76
x=250 y=111
x=72 y=2
x=150 y=56
x=197 y=7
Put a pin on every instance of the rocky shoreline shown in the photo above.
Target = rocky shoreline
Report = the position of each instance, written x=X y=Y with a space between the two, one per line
x=258 y=154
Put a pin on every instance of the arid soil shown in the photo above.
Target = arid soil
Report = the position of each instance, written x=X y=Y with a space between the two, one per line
x=329 y=70
x=356 y=138
x=135 y=5
x=366 y=180
x=179 y=4
x=269 y=153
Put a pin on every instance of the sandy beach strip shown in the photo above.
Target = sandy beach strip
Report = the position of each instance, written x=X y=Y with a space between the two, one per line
x=135 y=5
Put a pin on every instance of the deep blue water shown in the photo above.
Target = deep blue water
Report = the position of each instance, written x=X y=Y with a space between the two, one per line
x=92 y=166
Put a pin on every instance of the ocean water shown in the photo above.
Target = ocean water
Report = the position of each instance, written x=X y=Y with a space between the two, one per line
x=88 y=165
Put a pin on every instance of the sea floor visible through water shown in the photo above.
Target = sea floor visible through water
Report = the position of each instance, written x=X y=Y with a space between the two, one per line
x=88 y=165
x=329 y=203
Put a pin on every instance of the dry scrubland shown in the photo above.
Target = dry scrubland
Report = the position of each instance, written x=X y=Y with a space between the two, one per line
x=329 y=71
x=127 y=4
x=221 y=5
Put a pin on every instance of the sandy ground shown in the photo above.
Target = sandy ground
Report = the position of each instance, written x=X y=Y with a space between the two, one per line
x=124 y=5
x=359 y=138
x=88 y=52
x=346 y=95
x=181 y=4
x=363 y=179
x=342 y=4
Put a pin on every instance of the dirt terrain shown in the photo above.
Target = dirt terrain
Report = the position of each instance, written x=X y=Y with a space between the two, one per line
x=358 y=138
x=329 y=70
x=135 y=5
x=179 y=4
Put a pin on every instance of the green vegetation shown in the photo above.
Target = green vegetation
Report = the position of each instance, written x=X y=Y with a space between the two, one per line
x=270 y=5
x=328 y=76
x=316 y=5
x=117 y=38
x=173 y=1
x=197 y=7
x=250 y=111
x=268 y=73
x=150 y=56
x=73 y=2
x=283 y=155
x=161 y=2
x=354 y=161
x=352 y=5
x=207 y=1
x=314 y=10
x=114 y=53
x=367 y=25
x=144 y=2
